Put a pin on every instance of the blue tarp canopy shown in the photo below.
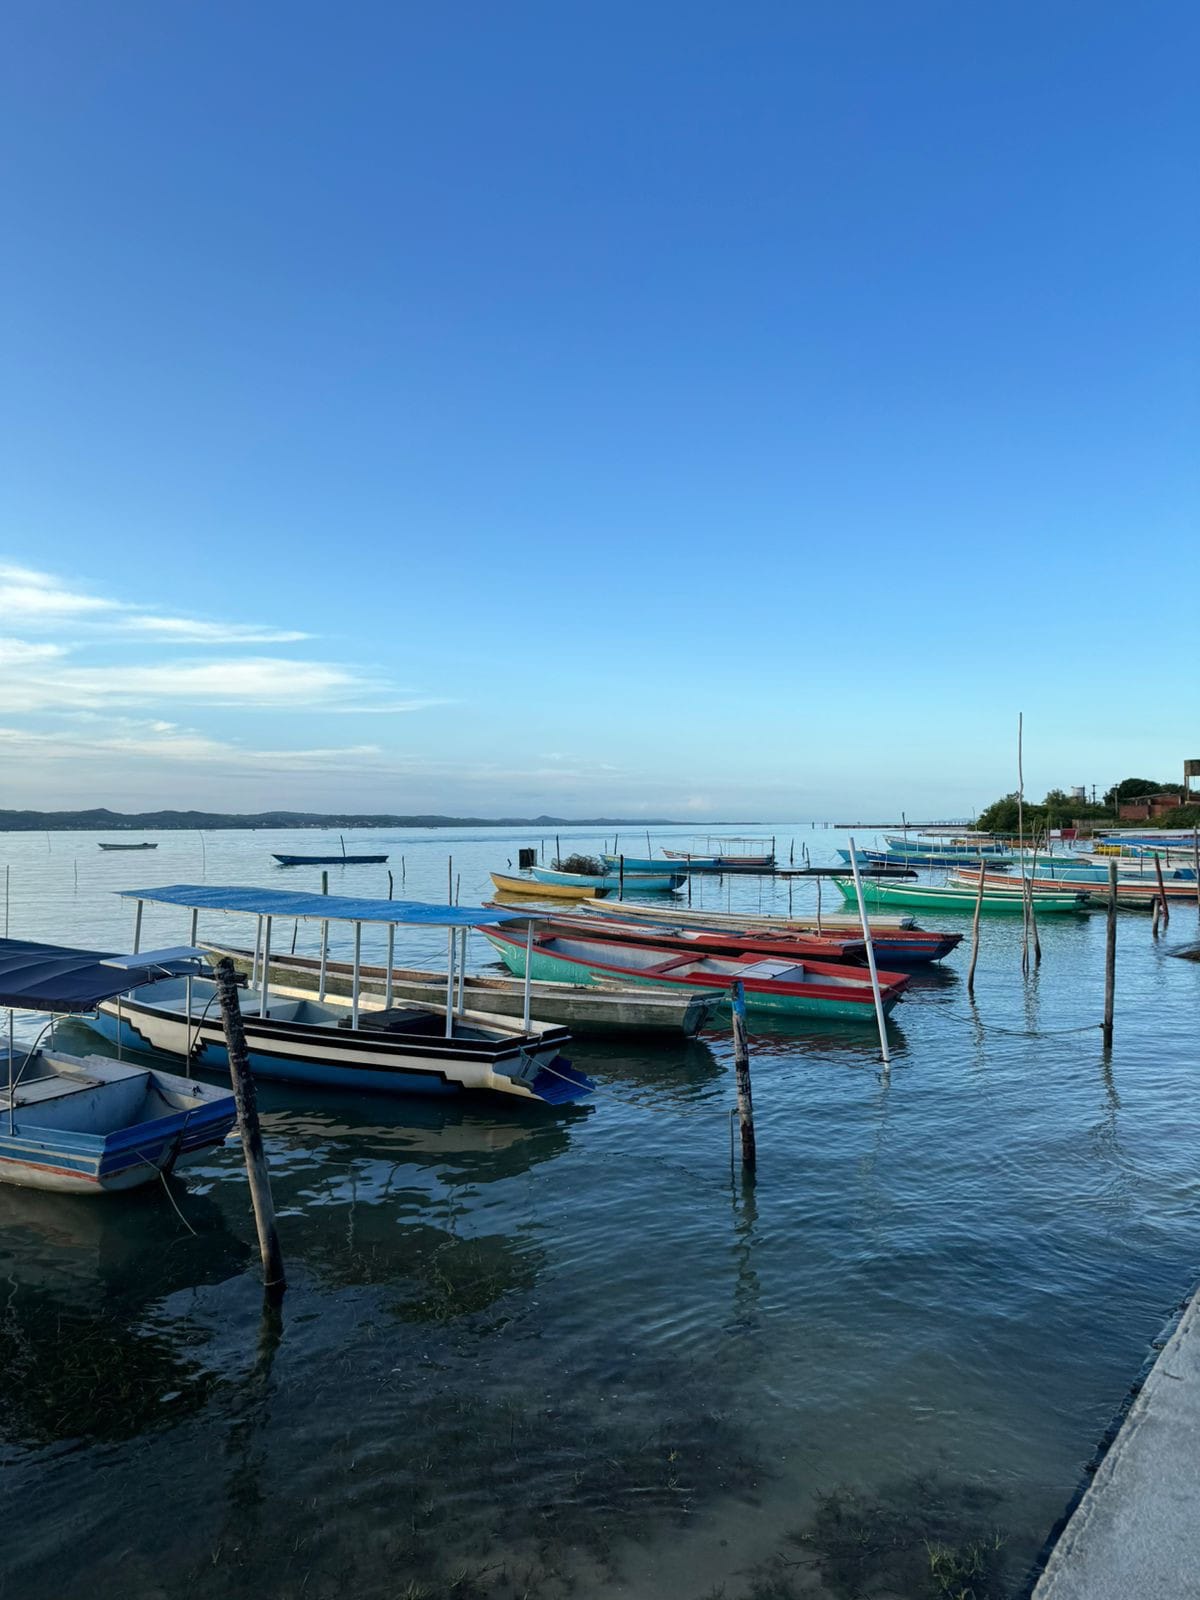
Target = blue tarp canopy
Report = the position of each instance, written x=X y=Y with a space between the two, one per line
x=286 y=903
x=52 y=977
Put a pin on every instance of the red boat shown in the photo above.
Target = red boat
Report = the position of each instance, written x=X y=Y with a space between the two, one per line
x=713 y=941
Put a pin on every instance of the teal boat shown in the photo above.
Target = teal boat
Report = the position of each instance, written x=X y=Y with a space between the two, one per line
x=635 y=882
x=945 y=898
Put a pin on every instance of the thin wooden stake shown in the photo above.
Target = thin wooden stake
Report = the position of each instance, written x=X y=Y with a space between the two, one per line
x=1110 y=955
x=741 y=1060
x=390 y=885
x=450 y=880
x=1162 y=891
x=246 y=1099
x=1196 y=863
x=1021 y=839
x=975 y=934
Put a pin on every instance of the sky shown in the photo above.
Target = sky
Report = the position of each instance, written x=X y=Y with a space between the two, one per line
x=663 y=409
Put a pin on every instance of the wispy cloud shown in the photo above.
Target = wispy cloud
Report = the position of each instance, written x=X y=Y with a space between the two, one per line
x=165 y=742
x=186 y=630
x=44 y=601
x=34 y=683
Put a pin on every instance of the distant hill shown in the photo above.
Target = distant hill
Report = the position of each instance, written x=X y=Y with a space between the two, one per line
x=102 y=820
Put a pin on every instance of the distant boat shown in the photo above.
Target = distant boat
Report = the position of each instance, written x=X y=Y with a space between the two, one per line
x=771 y=984
x=144 y=846
x=342 y=860
x=89 y=1124
x=328 y=861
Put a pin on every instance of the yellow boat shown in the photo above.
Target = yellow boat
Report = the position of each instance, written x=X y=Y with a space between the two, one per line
x=530 y=889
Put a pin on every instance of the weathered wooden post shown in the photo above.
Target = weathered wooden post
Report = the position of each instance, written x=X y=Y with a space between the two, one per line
x=558 y=852
x=741 y=1061
x=1110 y=955
x=1196 y=863
x=975 y=934
x=246 y=1099
x=1162 y=891
x=620 y=877
x=449 y=880
x=391 y=886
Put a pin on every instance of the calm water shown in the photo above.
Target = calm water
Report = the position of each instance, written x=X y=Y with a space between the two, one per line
x=540 y=1354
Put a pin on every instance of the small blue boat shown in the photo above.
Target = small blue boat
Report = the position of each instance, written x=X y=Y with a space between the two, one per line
x=328 y=861
x=674 y=864
x=89 y=1124
x=635 y=882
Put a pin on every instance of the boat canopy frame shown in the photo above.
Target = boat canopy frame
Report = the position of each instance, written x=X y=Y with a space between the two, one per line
x=268 y=904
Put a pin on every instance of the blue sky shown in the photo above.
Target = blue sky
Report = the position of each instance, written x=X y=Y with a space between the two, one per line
x=681 y=409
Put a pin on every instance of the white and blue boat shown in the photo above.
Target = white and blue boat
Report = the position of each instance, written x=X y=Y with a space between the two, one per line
x=363 y=1041
x=89 y=1124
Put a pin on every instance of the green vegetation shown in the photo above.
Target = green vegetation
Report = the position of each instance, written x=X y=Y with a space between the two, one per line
x=1060 y=810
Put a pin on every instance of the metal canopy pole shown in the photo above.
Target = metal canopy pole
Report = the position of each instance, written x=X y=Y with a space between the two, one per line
x=266 y=969
x=391 y=956
x=356 y=980
x=11 y=1089
x=462 y=974
x=528 y=975
x=449 y=983
x=187 y=1000
x=137 y=927
x=257 y=952
x=324 y=959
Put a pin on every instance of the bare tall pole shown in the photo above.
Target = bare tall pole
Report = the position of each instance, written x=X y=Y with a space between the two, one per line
x=1025 y=890
x=1162 y=890
x=246 y=1100
x=866 y=928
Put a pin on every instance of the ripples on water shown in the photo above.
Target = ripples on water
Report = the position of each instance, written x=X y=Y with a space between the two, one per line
x=528 y=1353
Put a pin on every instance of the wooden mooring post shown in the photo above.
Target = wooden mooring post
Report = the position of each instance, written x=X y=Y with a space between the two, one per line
x=246 y=1099
x=1110 y=955
x=741 y=1061
x=975 y=935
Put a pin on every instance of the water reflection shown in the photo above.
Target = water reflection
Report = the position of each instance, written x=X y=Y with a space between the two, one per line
x=87 y=1350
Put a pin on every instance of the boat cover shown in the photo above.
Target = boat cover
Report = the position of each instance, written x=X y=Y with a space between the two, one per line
x=54 y=977
x=288 y=903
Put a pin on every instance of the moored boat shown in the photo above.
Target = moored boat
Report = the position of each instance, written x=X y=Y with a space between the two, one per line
x=838 y=949
x=583 y=1008
x=1139 y=893
x=532 y=889
x=632 y=882
x=834 y=920
x=388 y=1048
x=950 y=898
x=88 y=1124
x=894 y=946
x=771 y=984
x=328 y=861
x=145 y=844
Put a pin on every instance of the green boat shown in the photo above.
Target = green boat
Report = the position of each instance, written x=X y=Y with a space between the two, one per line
x=944 y=898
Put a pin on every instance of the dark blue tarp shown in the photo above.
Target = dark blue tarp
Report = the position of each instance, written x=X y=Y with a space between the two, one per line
x=286 y=903
x=52 y=977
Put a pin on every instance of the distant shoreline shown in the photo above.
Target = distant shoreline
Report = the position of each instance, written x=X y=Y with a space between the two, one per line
x=99 y=821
